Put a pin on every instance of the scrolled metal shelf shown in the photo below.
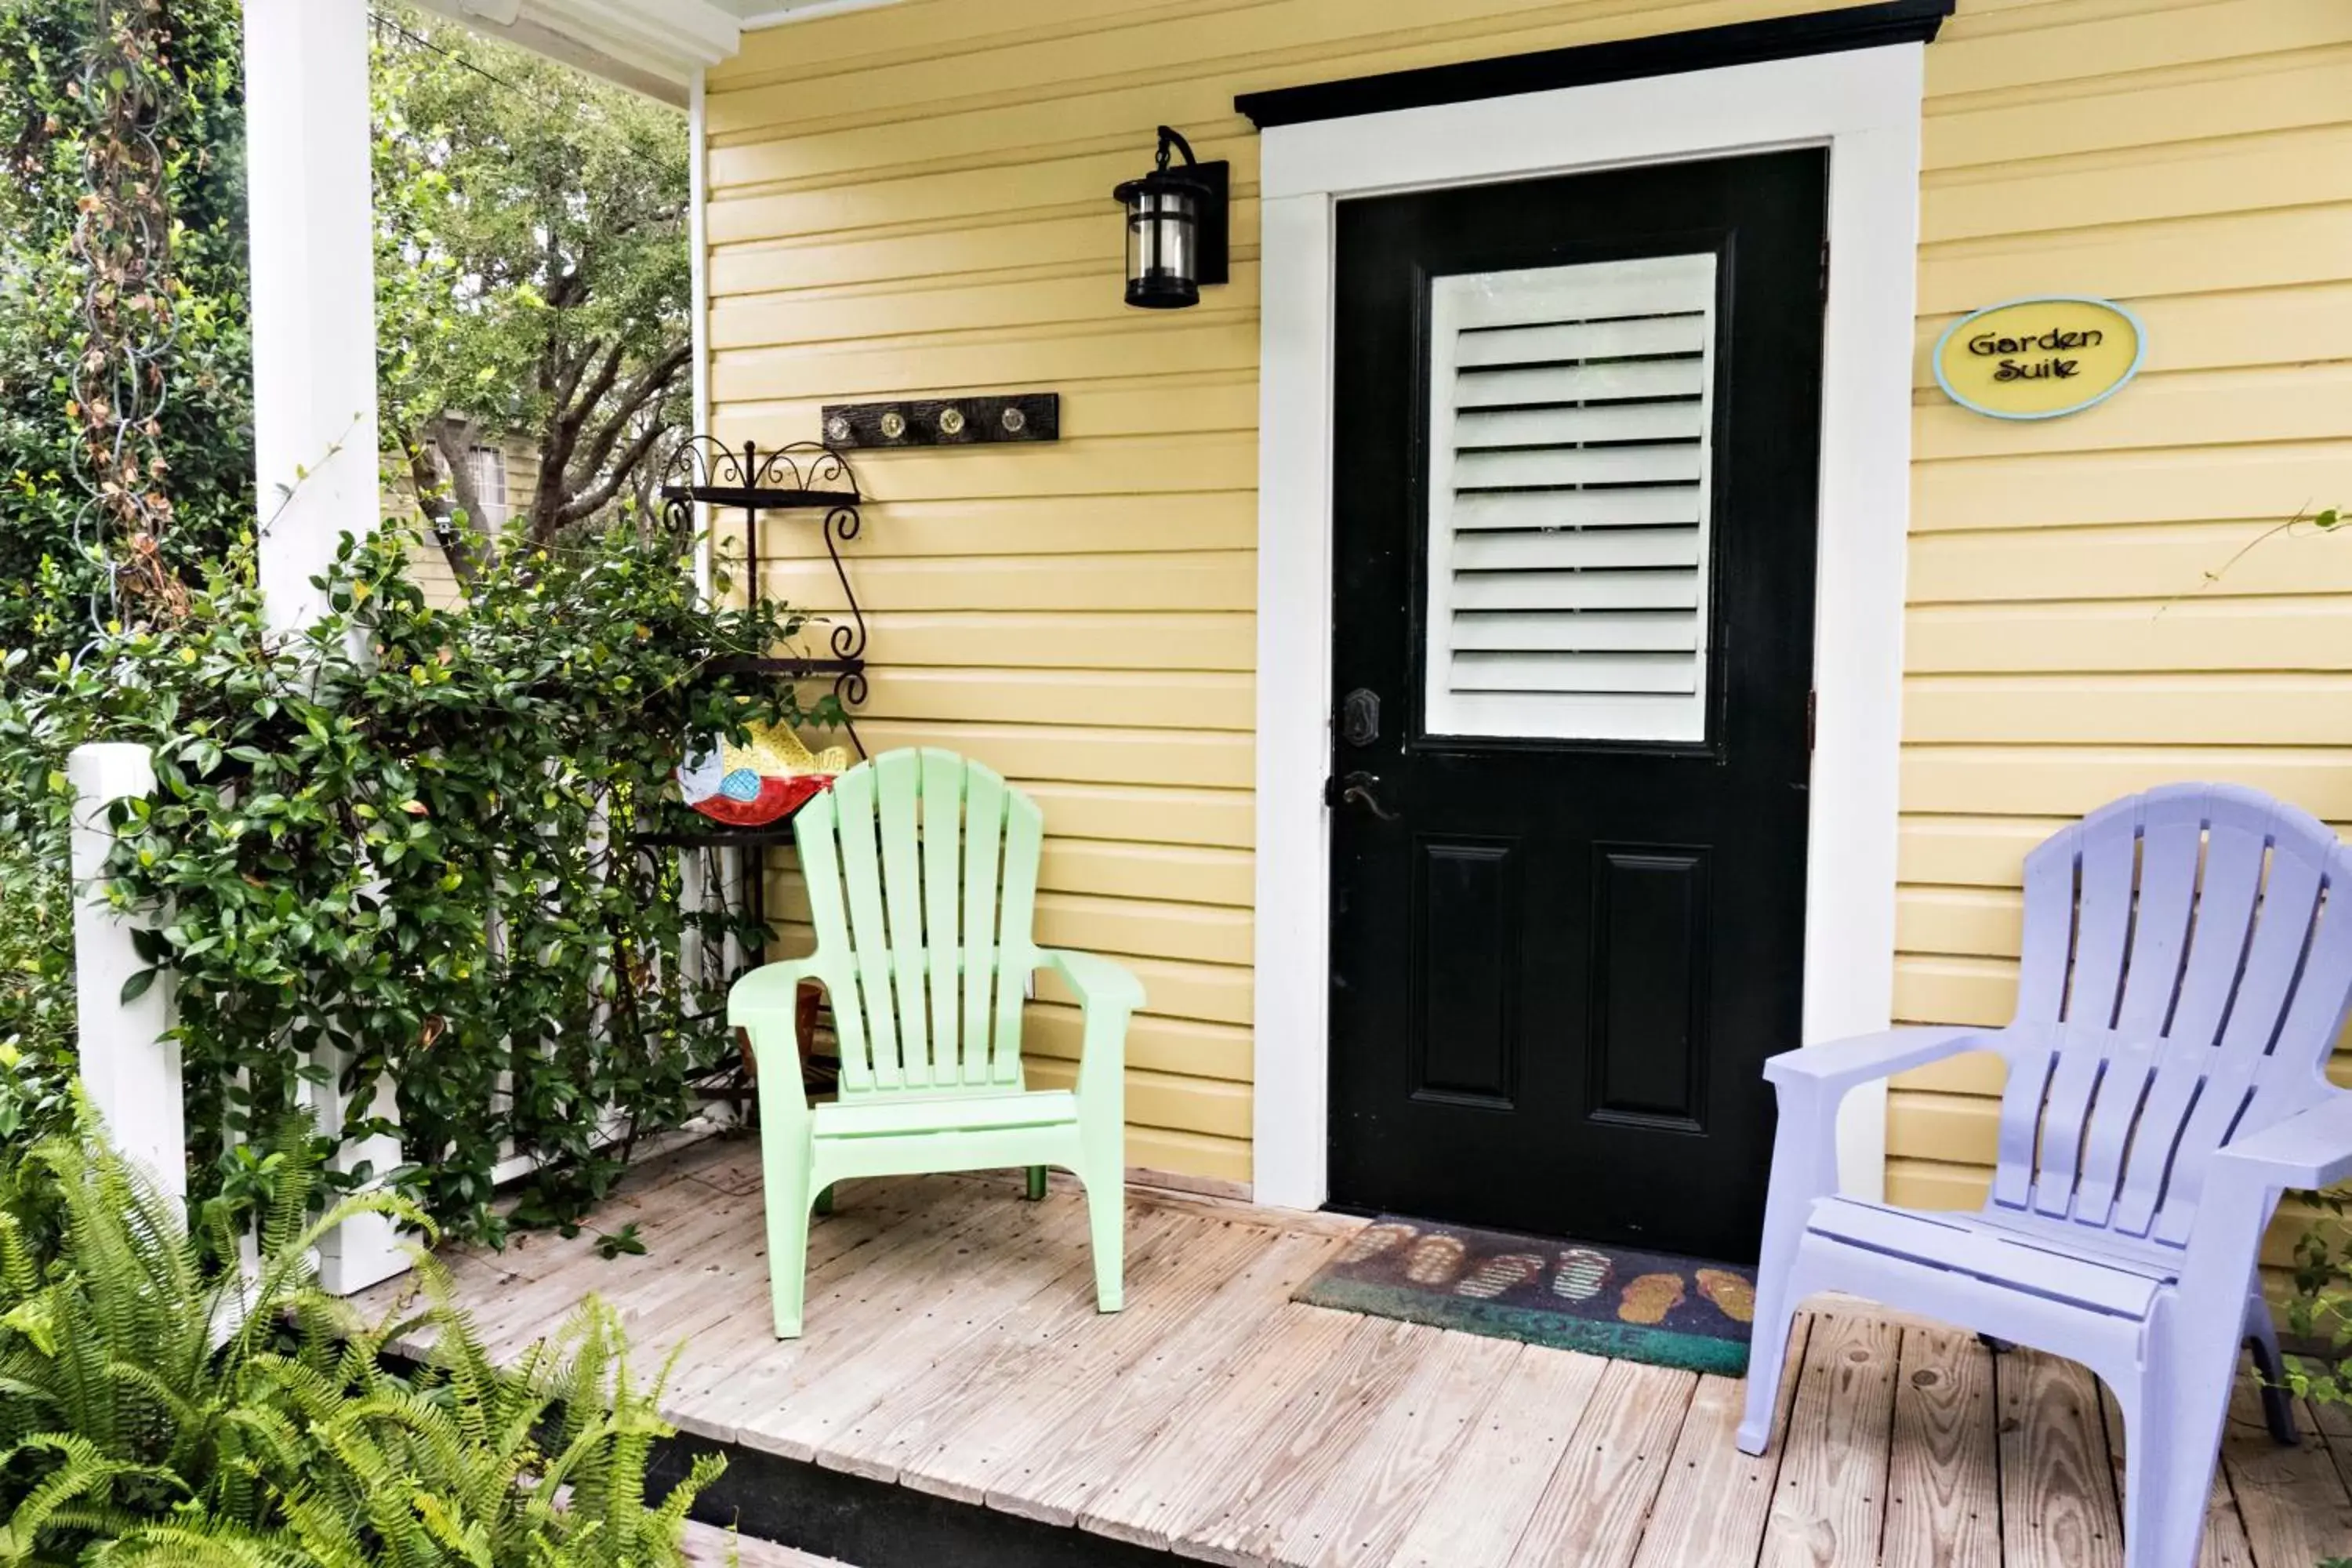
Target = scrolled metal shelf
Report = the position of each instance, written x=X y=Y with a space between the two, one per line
x=806 y=476
x=737 y=496
x=719 y=835
x=808 y=467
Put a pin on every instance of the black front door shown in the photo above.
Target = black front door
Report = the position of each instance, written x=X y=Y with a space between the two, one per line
x=1577 y=437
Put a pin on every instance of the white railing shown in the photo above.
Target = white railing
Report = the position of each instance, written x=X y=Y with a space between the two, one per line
x=133 y=1071
x=130 y=1066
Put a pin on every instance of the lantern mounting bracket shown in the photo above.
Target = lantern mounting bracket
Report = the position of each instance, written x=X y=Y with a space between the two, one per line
x=1216 y=223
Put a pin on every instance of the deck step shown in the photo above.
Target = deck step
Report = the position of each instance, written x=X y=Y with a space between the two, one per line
x=851 y=1522
x=709 y=1546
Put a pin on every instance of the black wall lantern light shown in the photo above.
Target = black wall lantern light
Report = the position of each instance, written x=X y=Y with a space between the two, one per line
x=1176 y=228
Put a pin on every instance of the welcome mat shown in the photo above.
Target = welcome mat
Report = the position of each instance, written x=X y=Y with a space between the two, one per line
x=1610 y=1301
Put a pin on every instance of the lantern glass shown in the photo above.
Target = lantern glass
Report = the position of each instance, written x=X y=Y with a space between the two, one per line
x=1163 y=243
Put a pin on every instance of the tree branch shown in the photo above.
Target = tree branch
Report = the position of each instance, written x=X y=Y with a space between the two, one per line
x=598 y=495
x=453 y=440
x=577 y=407
x=656 y=379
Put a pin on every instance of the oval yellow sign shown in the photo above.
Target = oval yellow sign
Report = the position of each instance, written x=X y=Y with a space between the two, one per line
x=2040 y=358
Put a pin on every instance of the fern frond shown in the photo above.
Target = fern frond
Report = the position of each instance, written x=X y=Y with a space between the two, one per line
x=85 y=1473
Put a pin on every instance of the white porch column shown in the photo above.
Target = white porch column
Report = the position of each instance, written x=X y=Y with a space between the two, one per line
x=312 y=225
x=130 y=1072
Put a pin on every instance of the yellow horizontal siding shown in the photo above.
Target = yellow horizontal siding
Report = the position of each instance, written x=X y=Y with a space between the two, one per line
x=913 y=200
x=2107 y=602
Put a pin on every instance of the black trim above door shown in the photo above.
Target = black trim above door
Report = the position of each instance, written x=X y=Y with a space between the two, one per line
x=1585 y=64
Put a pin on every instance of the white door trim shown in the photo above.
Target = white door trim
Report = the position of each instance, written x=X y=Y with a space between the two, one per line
x=1864 y=105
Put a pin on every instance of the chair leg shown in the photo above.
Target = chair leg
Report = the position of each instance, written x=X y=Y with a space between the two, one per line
x=2270 y=1370
x=1036 y=1194
x=823 y=1205
x=789 y=1200
x=1106 y=1218
x=1804 y=1167
x=2172 y=1432
x=2132 y=1403
x=1768 y=1354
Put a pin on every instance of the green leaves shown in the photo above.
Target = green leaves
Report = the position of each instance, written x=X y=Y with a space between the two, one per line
x=624 y=1242
x=532 y=279
x=129 y=1435
x=428 y=878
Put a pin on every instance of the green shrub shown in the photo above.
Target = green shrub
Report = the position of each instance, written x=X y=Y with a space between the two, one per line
x=402 y=842
x=36 y=995
x=2319 y=1313
x=162 y=1409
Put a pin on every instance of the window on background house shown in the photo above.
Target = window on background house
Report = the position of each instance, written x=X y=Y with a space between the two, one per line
x=489 y=467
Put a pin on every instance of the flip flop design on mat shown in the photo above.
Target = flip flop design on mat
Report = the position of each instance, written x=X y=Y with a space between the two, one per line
x=1500 y=1273
x=1582 y=1274
x=1375 y=1239
x=1434 y=1259
x=1649 y=1299
x=1734 y=1295
x=1660 y=1308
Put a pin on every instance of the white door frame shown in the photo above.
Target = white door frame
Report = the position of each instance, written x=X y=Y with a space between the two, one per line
x=1864 y=105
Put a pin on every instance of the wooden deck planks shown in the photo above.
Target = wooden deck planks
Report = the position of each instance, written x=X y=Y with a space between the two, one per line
x=928 y=1333
x=2057 y=1499
x=1943 y=1484
x=845 y=1313
x=2292 y=1500
x=1298 y=1454
x=1384 y=1482
x=1592 y=1510
x=1830 y=1505
x=1714 y=1503
x=2333 y=1423
x=708 y=1546
x=741 y=1337
x=1110 y=1410
x=1185 y=1463
x=1481 y=1505
x=978 y=1405
x=953 y=1347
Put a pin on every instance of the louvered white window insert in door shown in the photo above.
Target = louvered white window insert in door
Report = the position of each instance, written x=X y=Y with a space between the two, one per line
x=1570 y=413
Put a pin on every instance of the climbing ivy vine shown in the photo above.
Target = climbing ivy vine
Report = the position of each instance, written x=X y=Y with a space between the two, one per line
x=405 y=843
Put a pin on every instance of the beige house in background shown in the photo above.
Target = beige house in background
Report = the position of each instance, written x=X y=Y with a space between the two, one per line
x=506 y=477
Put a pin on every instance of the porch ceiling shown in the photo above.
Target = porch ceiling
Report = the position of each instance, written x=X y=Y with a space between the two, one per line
x=653 y=47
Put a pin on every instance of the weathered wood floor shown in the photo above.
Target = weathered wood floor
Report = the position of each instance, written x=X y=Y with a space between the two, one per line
x=953 y=1347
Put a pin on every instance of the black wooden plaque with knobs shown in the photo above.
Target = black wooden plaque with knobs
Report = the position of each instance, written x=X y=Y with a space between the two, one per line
x=945 y=421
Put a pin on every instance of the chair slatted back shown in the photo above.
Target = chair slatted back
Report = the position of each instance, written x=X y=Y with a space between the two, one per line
x=2186 y=970
x=922 y=870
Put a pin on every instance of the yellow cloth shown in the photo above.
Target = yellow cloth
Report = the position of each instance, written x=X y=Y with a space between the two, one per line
x=774 y=752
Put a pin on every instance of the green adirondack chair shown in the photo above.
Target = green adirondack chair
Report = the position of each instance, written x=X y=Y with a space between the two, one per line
x=923 y=874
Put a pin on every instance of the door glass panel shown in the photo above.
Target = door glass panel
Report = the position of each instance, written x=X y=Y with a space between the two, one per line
x=1570 y=413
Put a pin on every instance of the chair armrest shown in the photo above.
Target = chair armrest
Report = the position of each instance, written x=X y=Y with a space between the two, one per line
x=771 y=994
x=1097 y=982
x=2313 y=1148
x=1839 y=1065
x=765 y=1004
x=1107 y=993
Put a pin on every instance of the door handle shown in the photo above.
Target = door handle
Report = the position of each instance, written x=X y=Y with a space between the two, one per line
x=1358 y=787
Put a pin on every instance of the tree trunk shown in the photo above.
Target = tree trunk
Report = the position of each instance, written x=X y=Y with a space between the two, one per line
x=446 y=493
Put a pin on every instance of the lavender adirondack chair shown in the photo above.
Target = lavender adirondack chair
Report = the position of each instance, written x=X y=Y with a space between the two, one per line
x=2186 y=973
